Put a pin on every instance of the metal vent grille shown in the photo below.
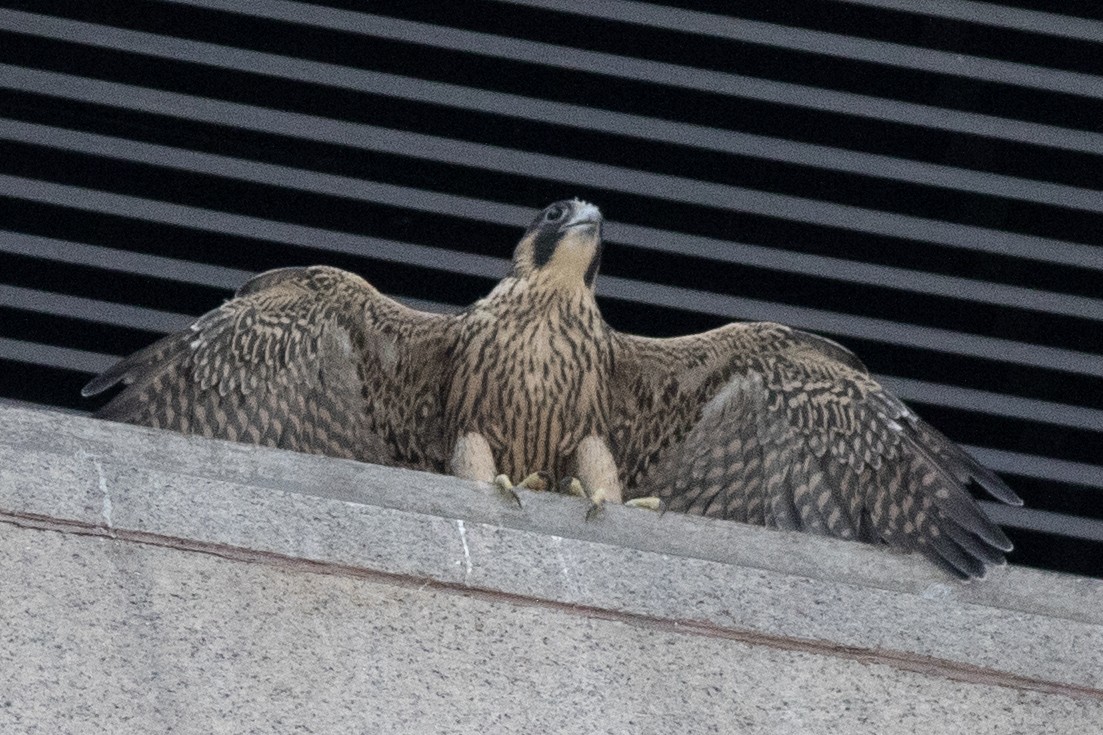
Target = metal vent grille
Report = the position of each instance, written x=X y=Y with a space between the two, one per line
x=925 y=186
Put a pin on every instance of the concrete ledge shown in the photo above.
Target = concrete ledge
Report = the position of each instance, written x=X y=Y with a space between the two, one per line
x=730 y=623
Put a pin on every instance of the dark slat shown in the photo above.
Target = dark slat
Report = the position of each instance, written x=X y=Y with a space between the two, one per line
x=990 y=14
x=576 y=172
x=669 y=74
x=529 y=108
x=828 y=44
x=1061 y=524
x=665 y=241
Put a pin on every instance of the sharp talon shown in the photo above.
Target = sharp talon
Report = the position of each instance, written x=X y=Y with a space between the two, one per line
x=506 y=488
x=649 y=503
x=597 y=503
x=572 y=486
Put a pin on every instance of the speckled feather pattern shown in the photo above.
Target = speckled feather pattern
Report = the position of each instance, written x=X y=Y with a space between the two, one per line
x=764 y=424
x=315 y=361
x=531 y=375
x=754 y=422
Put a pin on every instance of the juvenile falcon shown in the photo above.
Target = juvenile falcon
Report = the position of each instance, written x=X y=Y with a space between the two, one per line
x=753 y=422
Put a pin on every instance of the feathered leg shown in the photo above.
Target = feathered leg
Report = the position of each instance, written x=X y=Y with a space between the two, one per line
x=598 y=479
x=473 y=460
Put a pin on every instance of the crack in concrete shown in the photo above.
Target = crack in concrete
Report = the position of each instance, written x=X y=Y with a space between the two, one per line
x=466 y=551
x=106 y=506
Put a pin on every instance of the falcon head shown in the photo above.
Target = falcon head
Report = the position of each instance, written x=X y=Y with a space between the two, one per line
x=562 y=243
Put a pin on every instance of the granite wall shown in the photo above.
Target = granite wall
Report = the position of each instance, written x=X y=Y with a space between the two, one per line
x=151 y=582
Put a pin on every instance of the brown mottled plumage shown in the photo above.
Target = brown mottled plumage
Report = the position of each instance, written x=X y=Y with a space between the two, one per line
x=753 y=422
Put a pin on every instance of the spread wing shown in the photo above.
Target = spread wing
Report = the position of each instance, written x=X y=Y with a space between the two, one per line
x=308 y=359
x=764 y=424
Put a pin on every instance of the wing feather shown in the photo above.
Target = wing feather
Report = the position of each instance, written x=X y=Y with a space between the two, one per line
x=762 y=423
x=845 y=484
x=308 y=359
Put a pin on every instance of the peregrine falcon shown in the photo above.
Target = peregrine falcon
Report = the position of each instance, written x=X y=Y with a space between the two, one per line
x=753 y=422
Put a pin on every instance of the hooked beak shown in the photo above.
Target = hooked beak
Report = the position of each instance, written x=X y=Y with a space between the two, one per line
x=584 y=215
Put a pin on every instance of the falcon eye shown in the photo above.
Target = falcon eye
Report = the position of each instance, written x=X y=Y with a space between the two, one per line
x=555 y=214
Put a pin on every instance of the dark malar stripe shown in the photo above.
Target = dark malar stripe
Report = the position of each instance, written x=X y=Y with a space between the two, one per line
x=543 y=246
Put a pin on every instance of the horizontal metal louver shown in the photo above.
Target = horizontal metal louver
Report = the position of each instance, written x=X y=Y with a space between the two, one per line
x=922 y=182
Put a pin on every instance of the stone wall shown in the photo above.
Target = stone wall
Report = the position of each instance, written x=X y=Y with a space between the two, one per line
x=151 y=582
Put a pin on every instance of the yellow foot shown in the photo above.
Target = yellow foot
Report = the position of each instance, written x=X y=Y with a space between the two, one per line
x=573 y=486
x=505 y=487
x=596 y=496
x=597 y=503
x=538 y=481
x=650 y=503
